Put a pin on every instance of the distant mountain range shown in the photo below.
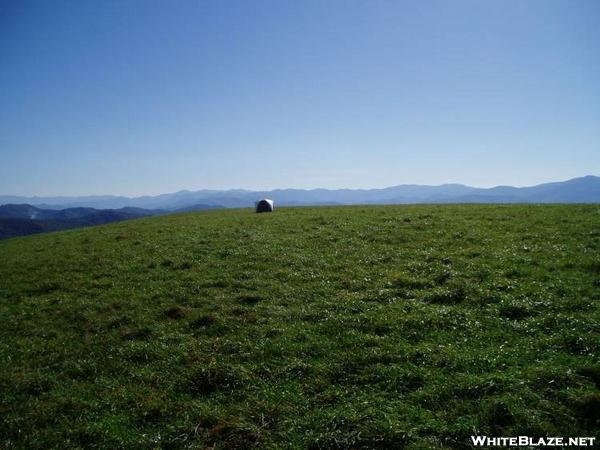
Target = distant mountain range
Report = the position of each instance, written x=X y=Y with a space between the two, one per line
x=20 y=220
x=577 y=190
x=26 y=215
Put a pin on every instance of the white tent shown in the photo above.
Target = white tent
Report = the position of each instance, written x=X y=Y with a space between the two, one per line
x=264 y=205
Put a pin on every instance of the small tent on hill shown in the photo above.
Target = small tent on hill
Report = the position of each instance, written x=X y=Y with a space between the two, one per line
x=264 y=205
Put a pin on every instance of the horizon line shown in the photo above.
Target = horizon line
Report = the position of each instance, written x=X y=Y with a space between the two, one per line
x=134 y=196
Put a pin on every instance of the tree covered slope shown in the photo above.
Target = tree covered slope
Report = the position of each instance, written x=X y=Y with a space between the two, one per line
x=24 y=219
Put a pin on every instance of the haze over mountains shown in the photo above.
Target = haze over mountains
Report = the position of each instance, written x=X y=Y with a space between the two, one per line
x=20 y=220
x=577 y=190
x=27 y=215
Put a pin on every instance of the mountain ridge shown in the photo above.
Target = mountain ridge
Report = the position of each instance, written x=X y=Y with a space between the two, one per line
x=576 y=190
x=24 y=219
x=27 y=215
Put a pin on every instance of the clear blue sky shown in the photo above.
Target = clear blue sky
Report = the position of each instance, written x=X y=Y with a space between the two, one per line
x=144 y=97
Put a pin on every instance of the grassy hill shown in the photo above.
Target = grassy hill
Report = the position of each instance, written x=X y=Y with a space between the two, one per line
x=341 y=327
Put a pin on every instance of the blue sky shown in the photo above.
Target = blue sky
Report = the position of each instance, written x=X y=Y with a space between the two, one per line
x=145 y=97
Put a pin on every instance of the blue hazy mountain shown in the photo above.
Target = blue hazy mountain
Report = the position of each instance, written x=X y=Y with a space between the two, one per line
x=577 y=190
x=23 y=219
x=20 y=220
x=26 y=215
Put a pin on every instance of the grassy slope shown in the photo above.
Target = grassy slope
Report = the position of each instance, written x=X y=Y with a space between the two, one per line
x=310 y=327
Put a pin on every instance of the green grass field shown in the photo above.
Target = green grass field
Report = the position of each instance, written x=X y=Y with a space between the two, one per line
x=342 y=327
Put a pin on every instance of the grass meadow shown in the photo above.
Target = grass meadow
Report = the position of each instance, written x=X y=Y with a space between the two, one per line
x=333 y=327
